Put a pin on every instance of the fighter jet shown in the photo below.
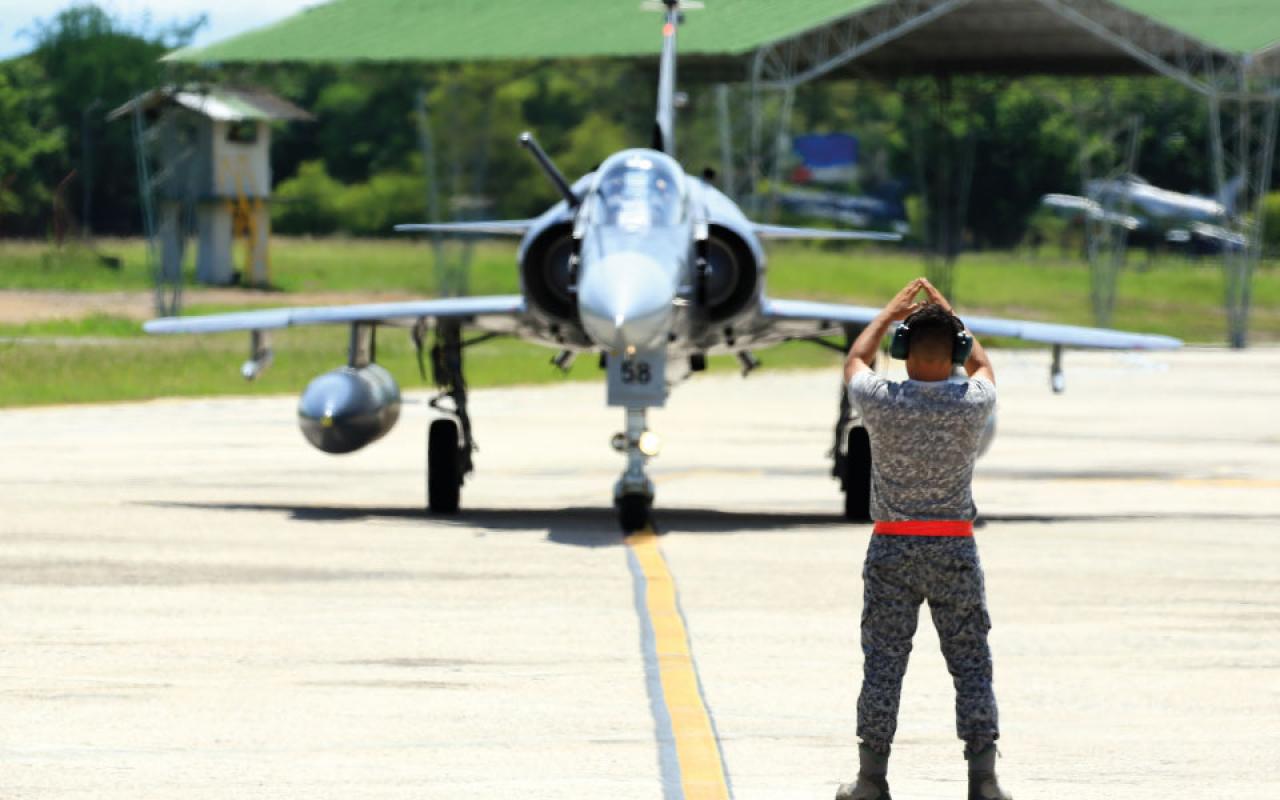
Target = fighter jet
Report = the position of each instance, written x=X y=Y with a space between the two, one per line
x=1153 y=216
x=1156 y=203
x=646 y=266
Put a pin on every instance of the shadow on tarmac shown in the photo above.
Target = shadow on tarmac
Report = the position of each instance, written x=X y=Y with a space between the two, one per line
x=598 y=527
x=579 y=527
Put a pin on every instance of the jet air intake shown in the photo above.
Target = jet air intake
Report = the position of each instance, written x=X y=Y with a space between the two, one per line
x=345 y=409
x=727 y=278
x=547 y=273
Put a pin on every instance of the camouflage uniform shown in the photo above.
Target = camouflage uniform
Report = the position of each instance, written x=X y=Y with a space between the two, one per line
x=924 y=442
x=900 y=573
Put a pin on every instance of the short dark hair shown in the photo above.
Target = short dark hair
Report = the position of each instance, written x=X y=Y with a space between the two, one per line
x=933 y=331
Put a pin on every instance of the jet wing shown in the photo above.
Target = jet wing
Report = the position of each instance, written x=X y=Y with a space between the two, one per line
x=827 y=316
x=787 y=232
x=480 y=309
x=495 y=227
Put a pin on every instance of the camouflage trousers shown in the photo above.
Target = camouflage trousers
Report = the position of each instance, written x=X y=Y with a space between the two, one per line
x=900 y=573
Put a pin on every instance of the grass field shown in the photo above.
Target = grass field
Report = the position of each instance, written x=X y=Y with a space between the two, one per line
x=101 y=357
x=62 y=370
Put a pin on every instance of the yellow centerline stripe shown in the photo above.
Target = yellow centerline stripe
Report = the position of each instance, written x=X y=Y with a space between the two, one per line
x=701 y=766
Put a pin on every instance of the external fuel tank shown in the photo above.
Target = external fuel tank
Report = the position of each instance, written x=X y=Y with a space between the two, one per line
x=345 y=409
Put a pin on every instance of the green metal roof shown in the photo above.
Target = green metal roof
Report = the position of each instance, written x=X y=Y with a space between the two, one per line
x=469 y=30
x=1235 y=26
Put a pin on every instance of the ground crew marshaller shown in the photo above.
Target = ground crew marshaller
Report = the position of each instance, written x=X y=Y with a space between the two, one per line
x=925 y=433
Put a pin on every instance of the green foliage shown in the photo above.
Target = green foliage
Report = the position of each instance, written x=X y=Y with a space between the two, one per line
x=1045 y=229
x=92 y=63
x=916 y=218
x=308 y=203
x=1271 y=224
x=1027 y=150
x=30 y=140
x=367 y=122
x=593 y=140
x=312 y=202
x=373 y=208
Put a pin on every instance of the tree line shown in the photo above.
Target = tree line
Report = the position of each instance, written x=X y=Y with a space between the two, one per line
x=363 y=165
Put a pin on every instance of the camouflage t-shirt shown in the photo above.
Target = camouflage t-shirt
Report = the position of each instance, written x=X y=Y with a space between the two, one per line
x=924 y=442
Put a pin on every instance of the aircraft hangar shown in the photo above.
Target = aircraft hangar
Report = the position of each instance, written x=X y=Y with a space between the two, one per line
x=1229 y=52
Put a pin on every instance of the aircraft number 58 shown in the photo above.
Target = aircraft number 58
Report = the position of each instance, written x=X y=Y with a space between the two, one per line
x=636 y=372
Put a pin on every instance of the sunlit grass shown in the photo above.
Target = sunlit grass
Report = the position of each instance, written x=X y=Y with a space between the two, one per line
x=116 y=362
x=92 y=326
x=108 y=265
x=63 y=371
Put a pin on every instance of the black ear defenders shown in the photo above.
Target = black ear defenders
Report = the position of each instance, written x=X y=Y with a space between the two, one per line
x=900 y=347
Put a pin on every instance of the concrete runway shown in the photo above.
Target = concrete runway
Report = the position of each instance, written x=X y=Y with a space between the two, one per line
x=194 y=604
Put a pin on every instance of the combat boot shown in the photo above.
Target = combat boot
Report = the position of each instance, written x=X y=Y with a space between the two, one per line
x=982 y=775
x=872 y=783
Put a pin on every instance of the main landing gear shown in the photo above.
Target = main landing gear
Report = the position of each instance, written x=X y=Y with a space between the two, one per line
x=449 y=442
x=633 y=493
x=851 y=451
x=852 y=462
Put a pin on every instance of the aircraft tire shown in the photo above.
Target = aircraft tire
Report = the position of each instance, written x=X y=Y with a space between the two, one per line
x=633 y=512
x=444 y=467
x=857 y=476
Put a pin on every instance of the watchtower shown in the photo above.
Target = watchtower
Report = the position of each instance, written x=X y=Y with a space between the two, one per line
x=204 y=167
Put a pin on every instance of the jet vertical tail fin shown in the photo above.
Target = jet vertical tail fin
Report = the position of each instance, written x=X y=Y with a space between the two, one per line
x=664 y=128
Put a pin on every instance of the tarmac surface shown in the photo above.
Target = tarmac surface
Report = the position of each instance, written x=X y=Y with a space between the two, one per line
x=195 y=604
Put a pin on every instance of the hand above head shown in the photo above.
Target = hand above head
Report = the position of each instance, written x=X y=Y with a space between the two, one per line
x=978 y=364
x=903 y=303
x=935 y=296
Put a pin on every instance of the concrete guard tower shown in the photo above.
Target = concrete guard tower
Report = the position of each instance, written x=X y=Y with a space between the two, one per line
x=204 y=167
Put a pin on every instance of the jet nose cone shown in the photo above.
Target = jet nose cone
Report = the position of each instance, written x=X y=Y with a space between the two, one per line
x=626 y=300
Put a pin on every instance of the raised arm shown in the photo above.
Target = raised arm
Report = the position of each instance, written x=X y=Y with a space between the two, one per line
x=863 y=353
x=978 y=365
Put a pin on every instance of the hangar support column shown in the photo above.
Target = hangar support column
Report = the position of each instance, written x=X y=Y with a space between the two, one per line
x=1110 y=157
x=944 y=136
x=463 y=191
x=1242 y=124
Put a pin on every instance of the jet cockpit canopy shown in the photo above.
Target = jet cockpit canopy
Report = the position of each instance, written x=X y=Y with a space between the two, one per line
x=640 y=189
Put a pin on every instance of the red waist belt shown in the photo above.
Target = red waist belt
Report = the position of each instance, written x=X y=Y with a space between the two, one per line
x=925 y=527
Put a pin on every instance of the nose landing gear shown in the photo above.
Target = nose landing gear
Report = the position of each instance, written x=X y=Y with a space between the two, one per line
x=637 y=381
x=633 y=493
x=635 y=512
